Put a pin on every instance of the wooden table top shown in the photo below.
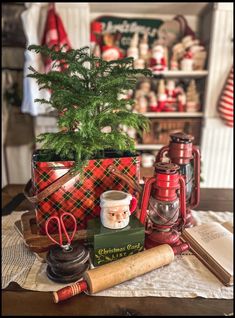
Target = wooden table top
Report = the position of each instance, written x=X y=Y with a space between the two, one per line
x=17 y=301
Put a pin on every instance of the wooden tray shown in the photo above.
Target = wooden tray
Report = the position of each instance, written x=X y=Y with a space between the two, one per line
x=41 y=256
x=41 y=243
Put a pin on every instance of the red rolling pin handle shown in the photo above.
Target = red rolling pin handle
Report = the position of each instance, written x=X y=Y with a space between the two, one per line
x=70 y=291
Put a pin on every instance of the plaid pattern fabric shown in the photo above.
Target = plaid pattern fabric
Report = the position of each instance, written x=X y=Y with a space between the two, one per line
x=79 y=197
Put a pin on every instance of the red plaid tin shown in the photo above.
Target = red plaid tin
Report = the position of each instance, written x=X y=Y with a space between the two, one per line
x=79 y=197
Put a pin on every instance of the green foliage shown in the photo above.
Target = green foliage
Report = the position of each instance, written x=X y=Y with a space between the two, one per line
x=86 y=95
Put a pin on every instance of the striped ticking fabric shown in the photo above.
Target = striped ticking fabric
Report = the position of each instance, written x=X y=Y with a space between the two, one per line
x=225 y=107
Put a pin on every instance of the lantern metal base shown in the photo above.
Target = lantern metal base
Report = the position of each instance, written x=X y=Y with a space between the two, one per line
x=157 y=238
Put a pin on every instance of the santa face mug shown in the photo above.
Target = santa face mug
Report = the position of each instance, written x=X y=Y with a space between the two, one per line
x=116 y=208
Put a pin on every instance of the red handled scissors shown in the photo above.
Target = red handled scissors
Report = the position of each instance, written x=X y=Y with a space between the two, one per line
x=61 y=227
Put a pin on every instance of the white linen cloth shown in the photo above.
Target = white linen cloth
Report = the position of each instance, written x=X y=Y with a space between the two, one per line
x=32 y=19
x=17 y=260
x=185 y=277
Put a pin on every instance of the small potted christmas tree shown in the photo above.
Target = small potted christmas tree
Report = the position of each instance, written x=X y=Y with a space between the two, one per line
x=91 y=120
x=86 y=95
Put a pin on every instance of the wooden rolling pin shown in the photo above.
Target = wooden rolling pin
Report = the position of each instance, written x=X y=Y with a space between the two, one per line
x=117 y=272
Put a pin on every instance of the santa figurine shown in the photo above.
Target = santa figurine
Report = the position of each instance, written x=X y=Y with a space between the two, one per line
x=171 y=95
x=161 y=96
x=158 y=60
x=110 y=50
x=181 y=102
x=171 y=90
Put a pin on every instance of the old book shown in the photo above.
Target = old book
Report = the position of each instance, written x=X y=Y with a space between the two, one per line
x=212 y=243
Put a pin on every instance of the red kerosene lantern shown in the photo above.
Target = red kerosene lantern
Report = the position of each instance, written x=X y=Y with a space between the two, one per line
x=182 y=152
x=164 y=202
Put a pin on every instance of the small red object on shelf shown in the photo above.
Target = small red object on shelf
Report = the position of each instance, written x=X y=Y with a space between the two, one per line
x=188 y=54
x=96 y=27
x=158 y=61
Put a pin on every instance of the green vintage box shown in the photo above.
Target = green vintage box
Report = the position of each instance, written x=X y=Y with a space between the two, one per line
x=109 y=245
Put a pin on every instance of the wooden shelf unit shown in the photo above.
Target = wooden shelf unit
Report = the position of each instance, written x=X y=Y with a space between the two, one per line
x=172 y=114
x=181 y=74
